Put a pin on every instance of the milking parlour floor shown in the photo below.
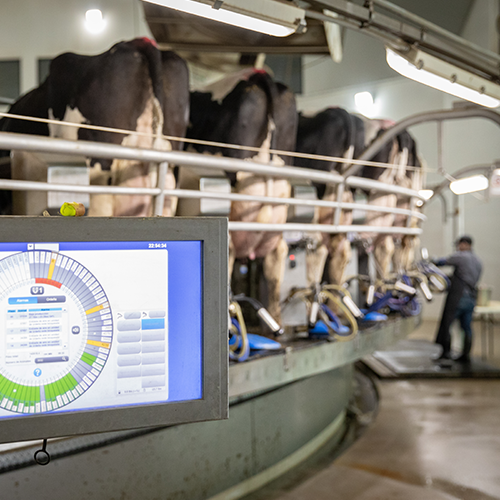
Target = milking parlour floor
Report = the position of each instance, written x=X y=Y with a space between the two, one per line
x=433 y=439
x=415 y=358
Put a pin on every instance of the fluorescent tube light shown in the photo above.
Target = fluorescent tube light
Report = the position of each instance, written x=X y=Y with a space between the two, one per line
x=469 y=184
x=430 y=70
x=270 y=17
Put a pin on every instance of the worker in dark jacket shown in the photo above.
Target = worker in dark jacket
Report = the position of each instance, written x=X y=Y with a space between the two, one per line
x=461 y=298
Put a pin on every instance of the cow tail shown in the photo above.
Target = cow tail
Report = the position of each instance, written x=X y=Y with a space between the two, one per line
x=350 y=136
x=266 y=83
x=152 y=55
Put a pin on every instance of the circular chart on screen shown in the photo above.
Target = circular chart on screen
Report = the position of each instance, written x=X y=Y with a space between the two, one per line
x=57 y=334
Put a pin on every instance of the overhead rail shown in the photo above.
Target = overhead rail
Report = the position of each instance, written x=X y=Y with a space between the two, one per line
x=429 y=116
x=429 y=27
x=402 y=30
x=24 y=142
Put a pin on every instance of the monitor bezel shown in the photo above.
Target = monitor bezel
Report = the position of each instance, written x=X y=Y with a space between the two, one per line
x=213 y=233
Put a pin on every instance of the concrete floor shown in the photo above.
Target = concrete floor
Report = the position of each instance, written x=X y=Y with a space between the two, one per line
x=432 y=440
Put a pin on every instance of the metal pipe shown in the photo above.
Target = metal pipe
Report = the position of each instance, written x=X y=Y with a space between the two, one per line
x=448 y=114
x=445 y=208
x=160 y=198
x=404 y=34
x=465 y=44
x=16 y=185
x=323 y=228
x=385 y=37
x=475 y=168
x=34 y=143
x=461 y=215
x=455 y=228
x=440 y=165
x=363 y=183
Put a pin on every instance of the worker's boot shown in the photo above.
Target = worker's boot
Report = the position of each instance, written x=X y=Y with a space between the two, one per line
x=465 y=357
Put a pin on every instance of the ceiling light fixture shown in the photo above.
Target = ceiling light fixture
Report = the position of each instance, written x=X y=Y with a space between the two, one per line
x=469 y=184
x=430 y=70
x=426 y=193
x=271 y=17
x=365 y=104
x=94 y=21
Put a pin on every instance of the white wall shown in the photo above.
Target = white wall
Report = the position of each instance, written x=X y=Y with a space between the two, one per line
x=480 y=26
x=32 y=29
x=466 y=142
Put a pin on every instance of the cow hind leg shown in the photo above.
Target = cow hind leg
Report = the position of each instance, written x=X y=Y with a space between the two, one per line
x=408 y=246
x=274 y=271
x=339 y=248
x=398 y=256
x=315 y=264
x=170 y=203
x=100 y=205
x=384 y=251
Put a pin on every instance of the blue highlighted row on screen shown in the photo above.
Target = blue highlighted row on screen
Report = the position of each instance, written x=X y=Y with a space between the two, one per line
x=153 y=324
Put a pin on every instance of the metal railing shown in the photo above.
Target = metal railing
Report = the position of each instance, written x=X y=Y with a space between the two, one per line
x=38 y=144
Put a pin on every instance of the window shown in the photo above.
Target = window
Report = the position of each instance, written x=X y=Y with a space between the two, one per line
x=43 y=69
x=287 y=70
x=9 y=79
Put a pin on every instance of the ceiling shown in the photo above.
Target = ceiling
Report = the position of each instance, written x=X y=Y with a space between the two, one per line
x=449 y=14
x=202 y=41
x=186 y=32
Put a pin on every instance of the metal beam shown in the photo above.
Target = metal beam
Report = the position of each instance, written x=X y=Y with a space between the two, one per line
x=208 y=47
x=437 y=41
x=462 y=42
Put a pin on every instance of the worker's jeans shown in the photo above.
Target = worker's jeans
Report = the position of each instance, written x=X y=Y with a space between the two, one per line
x=449 y=314
x=464 y=313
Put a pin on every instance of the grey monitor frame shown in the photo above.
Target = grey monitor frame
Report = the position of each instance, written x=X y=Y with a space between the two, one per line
x=213 y=232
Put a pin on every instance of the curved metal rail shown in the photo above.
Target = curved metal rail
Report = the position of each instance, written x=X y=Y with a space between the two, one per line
x=40 y=144
x=430 y=116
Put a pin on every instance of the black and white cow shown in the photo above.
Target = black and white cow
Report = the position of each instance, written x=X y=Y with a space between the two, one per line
x=332 y=132
x=132 y=86
x=335 y=132
x=401 y=151
x=256 y=112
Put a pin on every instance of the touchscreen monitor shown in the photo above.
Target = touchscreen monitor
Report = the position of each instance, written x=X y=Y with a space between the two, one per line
x=109 y=324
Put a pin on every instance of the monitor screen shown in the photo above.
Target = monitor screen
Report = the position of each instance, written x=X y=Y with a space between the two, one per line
x=112 y=320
